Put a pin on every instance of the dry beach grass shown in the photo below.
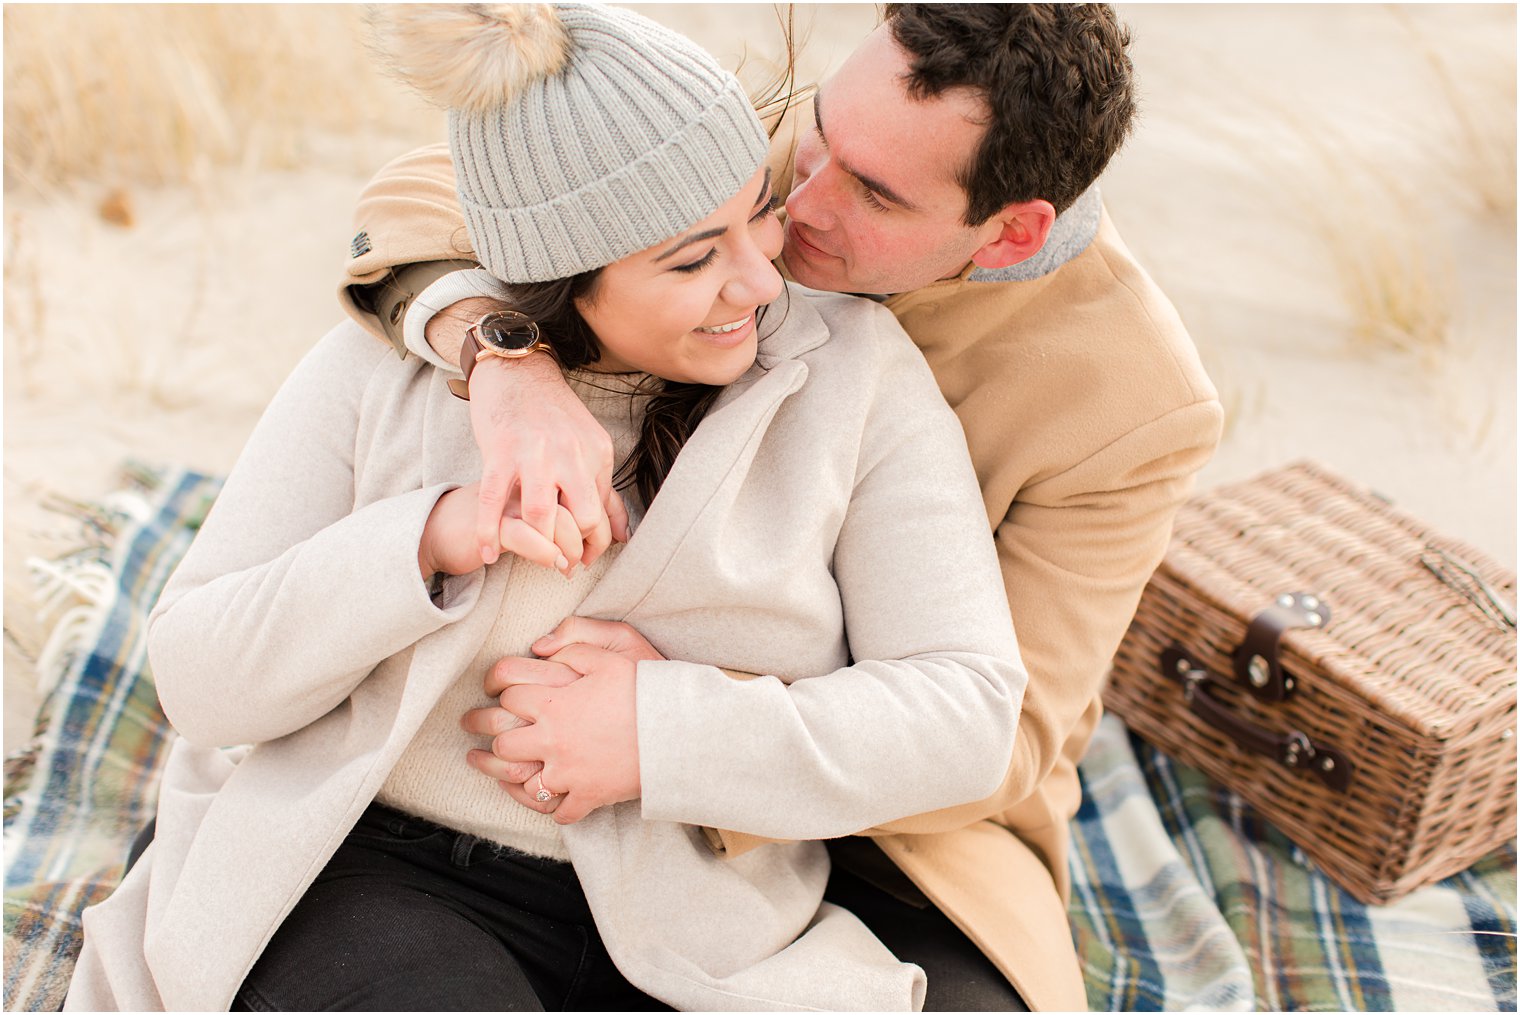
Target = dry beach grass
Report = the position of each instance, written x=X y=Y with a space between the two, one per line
x=1328 y=194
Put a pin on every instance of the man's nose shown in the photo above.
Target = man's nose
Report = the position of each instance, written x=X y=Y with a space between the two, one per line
x=809 y=202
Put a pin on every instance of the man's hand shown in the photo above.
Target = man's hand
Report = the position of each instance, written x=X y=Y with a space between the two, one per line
x=535 y=437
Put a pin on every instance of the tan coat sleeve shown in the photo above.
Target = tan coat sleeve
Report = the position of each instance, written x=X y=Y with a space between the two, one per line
x=407 y=217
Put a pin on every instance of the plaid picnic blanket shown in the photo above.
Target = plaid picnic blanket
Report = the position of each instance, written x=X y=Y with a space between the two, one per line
x=1183 y=898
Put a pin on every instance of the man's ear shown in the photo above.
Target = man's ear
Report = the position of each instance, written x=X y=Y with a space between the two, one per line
x=1022 y=230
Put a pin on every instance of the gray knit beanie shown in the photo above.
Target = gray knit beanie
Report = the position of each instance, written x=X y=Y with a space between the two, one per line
x=580 y=133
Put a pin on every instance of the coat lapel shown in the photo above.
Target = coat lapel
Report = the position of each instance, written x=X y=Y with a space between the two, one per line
x=715 y=460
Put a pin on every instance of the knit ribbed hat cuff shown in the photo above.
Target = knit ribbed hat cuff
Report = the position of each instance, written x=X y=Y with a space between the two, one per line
x=653 y=198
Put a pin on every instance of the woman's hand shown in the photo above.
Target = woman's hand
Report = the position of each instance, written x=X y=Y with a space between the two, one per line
x=585 y=734
x=493 y=720
x=449 y=544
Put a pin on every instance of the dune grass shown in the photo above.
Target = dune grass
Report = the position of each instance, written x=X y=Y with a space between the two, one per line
x=1384 y=231
x=162 y=93
x=1479 y=99
x=25 y=305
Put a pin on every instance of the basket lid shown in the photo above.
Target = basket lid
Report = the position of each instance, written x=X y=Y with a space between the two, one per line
x=1418 y=620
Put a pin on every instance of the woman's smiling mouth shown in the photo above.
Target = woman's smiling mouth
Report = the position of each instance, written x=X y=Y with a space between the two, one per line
x=723 y=329
x=730 y=335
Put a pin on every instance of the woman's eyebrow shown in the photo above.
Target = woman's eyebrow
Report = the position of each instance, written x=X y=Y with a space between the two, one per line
x=707 y=234
x=765 y=188
x=687 y=241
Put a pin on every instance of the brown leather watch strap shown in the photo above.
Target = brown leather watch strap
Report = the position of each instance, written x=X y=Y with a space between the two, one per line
x=471 y=352
x=469 y=355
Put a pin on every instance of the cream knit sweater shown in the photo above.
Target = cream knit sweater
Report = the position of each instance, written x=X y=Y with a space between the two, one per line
x=431 y=779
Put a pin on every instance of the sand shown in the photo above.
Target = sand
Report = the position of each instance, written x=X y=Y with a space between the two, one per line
x=1283 y=154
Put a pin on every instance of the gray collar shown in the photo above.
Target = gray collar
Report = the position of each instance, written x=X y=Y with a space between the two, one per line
x=1073 y=230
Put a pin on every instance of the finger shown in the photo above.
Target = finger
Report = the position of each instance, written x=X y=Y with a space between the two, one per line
x=512 y=771
x=617 y=515
x=515 y=670
x=502 y=771
x=571 y=807
x=495 y=488
x=567 y=537
x=517 y=536
x=583 y=658
x=612 y=635
x=489 y=721
x=579 y=495
x=519 y=772
x=527 y=742
x=528 y=797
x=539 y=503
x=597 y=541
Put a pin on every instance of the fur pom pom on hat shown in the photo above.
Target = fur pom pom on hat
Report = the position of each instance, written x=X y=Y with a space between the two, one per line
x=580 y=133
x=471 y=56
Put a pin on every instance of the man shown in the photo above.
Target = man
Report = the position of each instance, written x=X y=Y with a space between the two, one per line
x=947 y=169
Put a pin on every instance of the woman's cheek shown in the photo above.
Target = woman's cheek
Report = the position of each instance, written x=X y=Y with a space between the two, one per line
x=772 y=237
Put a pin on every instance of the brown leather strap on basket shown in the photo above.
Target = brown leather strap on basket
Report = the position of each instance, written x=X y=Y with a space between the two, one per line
x=1292 y=749
x=1257 y=666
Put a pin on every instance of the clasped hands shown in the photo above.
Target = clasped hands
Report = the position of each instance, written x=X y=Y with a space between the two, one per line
x=565 y=719
x=547 y=479
x=545 y=491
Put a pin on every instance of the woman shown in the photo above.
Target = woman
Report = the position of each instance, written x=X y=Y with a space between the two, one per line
x=334 y=614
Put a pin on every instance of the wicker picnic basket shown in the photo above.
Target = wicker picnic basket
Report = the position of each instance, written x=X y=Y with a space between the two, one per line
x=1340 y=666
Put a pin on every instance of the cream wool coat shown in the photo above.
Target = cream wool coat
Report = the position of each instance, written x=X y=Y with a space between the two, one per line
x=1087 y=414
x=822 y=512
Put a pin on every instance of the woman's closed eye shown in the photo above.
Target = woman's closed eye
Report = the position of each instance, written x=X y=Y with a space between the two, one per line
x=697 y=265
x=766 y=209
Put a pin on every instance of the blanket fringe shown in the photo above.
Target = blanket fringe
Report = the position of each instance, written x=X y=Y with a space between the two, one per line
x=80 y=589
x=91 y=587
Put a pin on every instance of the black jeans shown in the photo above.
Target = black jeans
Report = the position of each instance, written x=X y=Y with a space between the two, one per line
x=408 y=916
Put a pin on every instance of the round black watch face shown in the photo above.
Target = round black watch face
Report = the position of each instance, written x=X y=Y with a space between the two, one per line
x=507 y=330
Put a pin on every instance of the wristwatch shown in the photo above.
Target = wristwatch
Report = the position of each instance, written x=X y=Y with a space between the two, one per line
x=503 y=333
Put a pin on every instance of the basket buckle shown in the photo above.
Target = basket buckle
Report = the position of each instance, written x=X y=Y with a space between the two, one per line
x=1297 y=750
x=1290 y=748
x=1257 y=665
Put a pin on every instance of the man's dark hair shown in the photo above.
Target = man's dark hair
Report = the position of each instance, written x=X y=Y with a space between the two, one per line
x=1056 y=80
